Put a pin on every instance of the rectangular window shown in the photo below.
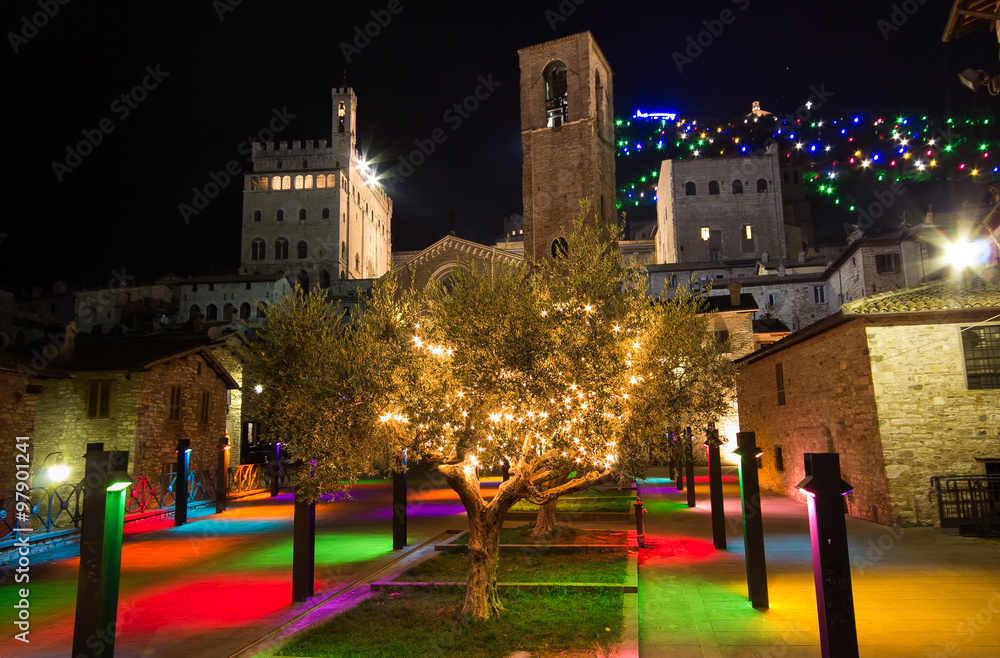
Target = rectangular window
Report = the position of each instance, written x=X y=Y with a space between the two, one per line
x=779 y=460
x=779 y=378
x=819 y=294
x=175 y=403
x=706 y=233
x=746 y=243
x=205 y=398
x=885 y=263
x=99 y=400
x=981 y=346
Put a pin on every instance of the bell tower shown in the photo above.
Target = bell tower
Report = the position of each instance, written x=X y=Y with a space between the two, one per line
x=567 y=133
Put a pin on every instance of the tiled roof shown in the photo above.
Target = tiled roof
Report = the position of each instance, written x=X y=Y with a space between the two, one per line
x=945 y=295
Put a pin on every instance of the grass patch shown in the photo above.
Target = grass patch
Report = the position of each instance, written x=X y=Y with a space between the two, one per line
x=568 y=504
x=426 y=621
x=562 y=535
x=529 y=565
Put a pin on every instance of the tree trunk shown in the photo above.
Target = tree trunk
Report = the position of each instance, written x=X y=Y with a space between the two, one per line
x=545 y=522
x=482 y=600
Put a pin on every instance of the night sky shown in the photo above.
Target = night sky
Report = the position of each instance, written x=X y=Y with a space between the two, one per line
x=216 y=73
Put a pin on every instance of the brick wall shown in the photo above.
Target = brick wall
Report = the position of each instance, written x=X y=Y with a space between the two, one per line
x=930 y=423
x=829 y=407
x=17 y=418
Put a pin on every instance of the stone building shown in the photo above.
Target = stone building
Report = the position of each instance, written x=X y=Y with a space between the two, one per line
x=234 y=301
x=20 y=385
x=135 y=394
x=904 y=385
x=313 y=211
x=719 y=209
x=125 y=307
x=567 y=133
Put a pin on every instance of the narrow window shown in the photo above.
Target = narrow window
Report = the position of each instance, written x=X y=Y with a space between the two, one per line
x=331 y=180
x=690 y=189
x=281 y=215
x=737 y=187
x=357 y=262
x=175 y=403
x=746 y=243
x=257 y=249
x=257 y=215
x=779 y=460
x=245 y=311
x=341 y=116
x=276 y=183
x=281 y=249
x=203 y=412
x=779 y=378
x=343 y=250
x=324 y=279
x=303 y=249
x=99 y=400
x=556 y=93
x=819 y=294
x=253 y=182
x=299 y=182
x=263 y=183
x=326 y=213
x=706 y=233
x=321 y=181
x=713 y=187
x=981 y=347
x=309 y=182
x=212 y=313
x=761 y=186
x=302 y=214
x=286 y=182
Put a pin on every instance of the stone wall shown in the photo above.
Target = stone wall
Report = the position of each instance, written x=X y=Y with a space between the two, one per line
x=829 y=407
x=234 y=415
x=61 y=423
x=17 y=418
x=930 y=423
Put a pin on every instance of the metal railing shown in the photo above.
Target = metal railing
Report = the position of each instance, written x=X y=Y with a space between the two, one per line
x=970 y=503
x=61 y=507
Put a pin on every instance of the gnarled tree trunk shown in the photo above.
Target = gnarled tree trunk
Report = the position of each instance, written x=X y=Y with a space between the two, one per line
x=545 y=522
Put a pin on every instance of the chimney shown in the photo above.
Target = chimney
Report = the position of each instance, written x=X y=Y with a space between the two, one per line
x=929 y=217
x=734 y=293
x=802 y=256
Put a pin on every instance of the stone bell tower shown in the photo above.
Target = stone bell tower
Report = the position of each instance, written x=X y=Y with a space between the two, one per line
x=567 y=133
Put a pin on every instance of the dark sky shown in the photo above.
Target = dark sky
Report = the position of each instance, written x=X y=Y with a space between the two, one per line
x=225 y=69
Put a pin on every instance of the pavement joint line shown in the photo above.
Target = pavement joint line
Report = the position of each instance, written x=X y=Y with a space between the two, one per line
x=340 y=592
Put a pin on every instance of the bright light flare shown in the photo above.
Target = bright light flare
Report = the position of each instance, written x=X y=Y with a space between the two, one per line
x=963 y=254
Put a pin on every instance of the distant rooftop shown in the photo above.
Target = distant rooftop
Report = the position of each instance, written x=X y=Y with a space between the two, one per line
x=935 y=296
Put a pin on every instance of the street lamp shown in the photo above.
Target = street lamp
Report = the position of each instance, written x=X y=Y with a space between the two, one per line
x=966 y=253
x=58 y=471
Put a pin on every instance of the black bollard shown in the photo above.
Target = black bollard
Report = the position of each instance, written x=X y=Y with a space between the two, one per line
x=181 y=481
x=222 y=475
x=399 y=508
x=753 y=525
x=303 y=549
x=715 y=491
x=689 y=452
x=640 y=528
x=276 y=469
x=838 y=634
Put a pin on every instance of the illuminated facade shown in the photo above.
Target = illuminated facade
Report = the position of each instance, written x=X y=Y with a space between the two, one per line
x=313 y=211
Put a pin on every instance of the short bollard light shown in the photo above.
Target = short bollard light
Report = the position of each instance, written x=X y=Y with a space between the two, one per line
x=715 y=489
x=222 y=475
x=114 y=522
x=753 y=524
x=831 y=561
x=640 y=530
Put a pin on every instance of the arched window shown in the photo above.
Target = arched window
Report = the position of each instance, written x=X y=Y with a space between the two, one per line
x=213 y=312
x=761 y=185
x=713 y=187
x=321 y=180
x=369 y=270
x=281 y=249
x=331 y=180
x=326 y=213
x=253 y=182
x=560 y=248
x=195 y=312
x=302 y=213
x=262 y=310
x=303 y=280
x=556 y=92
x=245 y=311
x=690 y=189
x=341 y=116
x=256 y=216
x=276 y=183
x=303 y=249
x=299 y=182
x=324 y=279
x=343 y=250
x=343 y=275
x=737 y=187
x=263 y=182
x=357 y=262
x=229 y=313
x=258 y=250
x=286 y=182
x=281 y=215
x=309 y=182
